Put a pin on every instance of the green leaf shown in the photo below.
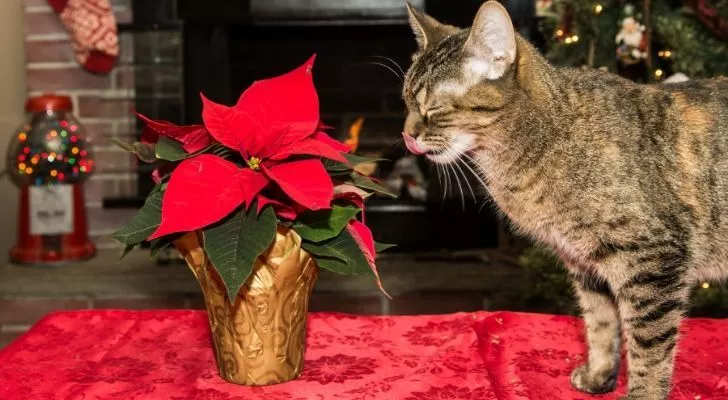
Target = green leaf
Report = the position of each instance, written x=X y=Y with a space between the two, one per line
x=144 y=223
x=367 y=183
x=159 y=244
x=127 y=249
x=380 y=247
x=356 y=160
x=335 y=166
x=170 y=150
x=340 y=254
x=317 y=226
x=235 y=244
x=143 y=151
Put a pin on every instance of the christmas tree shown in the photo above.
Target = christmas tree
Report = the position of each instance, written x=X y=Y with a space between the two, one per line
x=644 y=40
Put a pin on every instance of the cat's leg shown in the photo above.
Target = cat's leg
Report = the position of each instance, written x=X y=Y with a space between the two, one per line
x=651 y=305
x=601 y=322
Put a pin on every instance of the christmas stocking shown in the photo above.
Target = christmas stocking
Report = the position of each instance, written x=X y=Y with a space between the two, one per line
x=92 y=28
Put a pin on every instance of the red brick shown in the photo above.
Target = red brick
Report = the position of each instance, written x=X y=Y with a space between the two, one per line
x=126 y=48
x=93 y=190
x=335 y=302
x=151 y=303
x=98 y=107
x=98 y=132
x=123 y=16
x=105 y=221
x=64 y=78
x=42 y=23
x=114 y=161
x=31 y=3
x=48 y=51
x=436 y=303
x=97 y=189
x=123 y=77
x=29 y=310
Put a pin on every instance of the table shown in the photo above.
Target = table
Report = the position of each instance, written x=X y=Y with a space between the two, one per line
x=117 y=354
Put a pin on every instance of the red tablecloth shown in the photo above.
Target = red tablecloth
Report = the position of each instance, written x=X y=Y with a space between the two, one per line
x=479 y=356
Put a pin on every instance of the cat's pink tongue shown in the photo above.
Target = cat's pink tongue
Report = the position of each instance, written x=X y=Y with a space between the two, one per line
x=412 y=144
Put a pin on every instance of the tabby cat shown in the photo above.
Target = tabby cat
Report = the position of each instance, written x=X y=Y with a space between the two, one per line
x=627 y=183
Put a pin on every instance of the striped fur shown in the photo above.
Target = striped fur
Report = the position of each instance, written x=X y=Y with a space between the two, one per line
x=628 y=183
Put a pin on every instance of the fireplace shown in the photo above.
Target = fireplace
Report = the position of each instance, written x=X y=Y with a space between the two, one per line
x=362 y=47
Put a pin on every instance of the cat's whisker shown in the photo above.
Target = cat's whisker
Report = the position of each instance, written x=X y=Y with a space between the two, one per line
x=478 y=176
x=449 y=152
x=387 y=67
x=465 y=178
x=399 y=67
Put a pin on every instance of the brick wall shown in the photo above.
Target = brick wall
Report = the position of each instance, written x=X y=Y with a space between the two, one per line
x=102 y=103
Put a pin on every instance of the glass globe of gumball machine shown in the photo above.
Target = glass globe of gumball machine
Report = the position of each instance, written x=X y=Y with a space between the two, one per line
x=49 y=159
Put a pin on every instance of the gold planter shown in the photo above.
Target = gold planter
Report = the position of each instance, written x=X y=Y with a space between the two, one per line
x=259 y=339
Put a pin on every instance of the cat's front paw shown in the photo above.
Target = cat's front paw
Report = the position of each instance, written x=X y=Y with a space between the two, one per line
x=593 y=382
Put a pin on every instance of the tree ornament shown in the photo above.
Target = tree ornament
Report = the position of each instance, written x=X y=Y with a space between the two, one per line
x=631 y=49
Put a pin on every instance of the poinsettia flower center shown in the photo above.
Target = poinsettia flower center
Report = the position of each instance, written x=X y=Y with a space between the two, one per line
x=254 y=163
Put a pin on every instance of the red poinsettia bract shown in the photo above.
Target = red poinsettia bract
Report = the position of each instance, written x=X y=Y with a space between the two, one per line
x=273 y=121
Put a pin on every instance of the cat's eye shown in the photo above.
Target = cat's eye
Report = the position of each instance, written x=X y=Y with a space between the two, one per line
x=431 y=111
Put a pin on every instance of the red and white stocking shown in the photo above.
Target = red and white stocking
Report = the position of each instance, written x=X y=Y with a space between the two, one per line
x=92 y=27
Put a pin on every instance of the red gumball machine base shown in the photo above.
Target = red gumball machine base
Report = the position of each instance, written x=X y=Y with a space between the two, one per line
x=52 y=227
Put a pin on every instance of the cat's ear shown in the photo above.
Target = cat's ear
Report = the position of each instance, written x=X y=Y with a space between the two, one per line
x=491 y=45
x=427 y=29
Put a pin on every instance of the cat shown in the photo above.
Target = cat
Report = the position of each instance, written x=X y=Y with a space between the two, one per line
x=627 y=183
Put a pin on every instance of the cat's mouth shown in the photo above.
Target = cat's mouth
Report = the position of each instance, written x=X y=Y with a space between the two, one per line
x=413 y=145
x=452 y=152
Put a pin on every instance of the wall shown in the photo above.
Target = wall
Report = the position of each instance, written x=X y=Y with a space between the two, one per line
x=103 y=103
x=12 y=80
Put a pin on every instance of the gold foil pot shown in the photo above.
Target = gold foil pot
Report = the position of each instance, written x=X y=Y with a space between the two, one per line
x=259 y=339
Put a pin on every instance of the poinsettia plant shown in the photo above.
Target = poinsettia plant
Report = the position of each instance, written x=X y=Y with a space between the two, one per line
x=264 y=162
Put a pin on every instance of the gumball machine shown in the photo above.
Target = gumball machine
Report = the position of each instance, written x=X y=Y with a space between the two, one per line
x=50 y=158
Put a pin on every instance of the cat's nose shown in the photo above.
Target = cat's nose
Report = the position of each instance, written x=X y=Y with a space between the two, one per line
x=412 y=144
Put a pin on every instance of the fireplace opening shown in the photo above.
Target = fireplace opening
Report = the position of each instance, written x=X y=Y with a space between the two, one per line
x=362 y=50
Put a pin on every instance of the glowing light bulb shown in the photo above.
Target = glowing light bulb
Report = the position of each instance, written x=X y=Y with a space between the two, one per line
x=705 y=285
x=54 y=173
x=567 y=40
x=22 y=136
x=598 y=9
x=658 y=73
x=575 y=38
x=559 y=33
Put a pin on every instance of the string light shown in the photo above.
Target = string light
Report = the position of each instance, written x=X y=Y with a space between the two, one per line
x=664 y=53
x=50 y=154
x=705 y=285
x=598 y=8
x=658 y=73
x=571 y=39
x=559 y=33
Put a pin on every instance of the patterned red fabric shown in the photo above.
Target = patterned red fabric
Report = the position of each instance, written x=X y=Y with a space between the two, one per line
x=168 y=355
x=92 y=28
x=530 y=357
x=480 y=356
